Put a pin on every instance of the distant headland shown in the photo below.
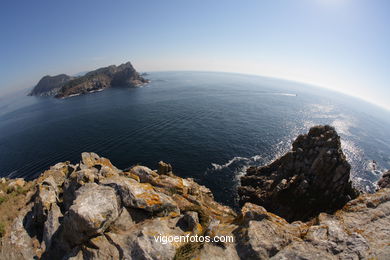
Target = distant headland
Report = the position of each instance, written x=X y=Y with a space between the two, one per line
x=63 y=86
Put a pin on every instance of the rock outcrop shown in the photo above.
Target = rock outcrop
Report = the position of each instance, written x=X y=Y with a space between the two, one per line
x=93 y=210
x=314 y=177
x=360 y=230
x=384 y=182
x=62 y=86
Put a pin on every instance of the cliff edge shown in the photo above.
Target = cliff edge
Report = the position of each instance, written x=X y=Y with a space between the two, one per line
x=93 y=210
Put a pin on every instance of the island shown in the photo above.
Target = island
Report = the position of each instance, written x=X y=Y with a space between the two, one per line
x=63 y=86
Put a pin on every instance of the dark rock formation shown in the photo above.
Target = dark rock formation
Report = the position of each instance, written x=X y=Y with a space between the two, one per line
x=62 y=86
x=312 y=178
x=49 y=86
x=384 y=182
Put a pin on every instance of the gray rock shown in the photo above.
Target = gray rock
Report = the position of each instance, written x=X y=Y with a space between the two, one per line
x=18 y=244
x=140 y=243
x=123 y=222
x=218 y=252
x=52 y=224
x=46 y=196
x=101 y=248
x=140 y=195
x=144 y=173
x=92 y=212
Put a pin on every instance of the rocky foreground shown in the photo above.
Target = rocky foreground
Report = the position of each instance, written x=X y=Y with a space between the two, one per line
x=92 y=210
x=62 y=86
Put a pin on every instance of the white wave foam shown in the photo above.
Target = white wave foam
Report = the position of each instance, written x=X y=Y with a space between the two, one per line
x=226 y=165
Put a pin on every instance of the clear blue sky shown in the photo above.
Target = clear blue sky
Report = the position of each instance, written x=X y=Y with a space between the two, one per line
x=339 y=44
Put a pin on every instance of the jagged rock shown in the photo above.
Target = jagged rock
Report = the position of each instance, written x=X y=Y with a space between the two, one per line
x=189 y=221
x=140 y=242
x=18 y=244
x=15 y=184
x=92 y=212
x=46 y=196
x=103 y=166
x=164 y=168
x=312 y=178
x=100 y=248
x=123 y=222
x=51 y=224
x=144 y=173
x=172 y=183
x=140 y=195
x=264 y=234
x=384 y=182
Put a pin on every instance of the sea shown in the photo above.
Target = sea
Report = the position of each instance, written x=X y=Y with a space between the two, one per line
x=210 y=126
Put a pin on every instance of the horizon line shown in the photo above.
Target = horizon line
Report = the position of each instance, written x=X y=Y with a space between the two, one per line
x=308 y=84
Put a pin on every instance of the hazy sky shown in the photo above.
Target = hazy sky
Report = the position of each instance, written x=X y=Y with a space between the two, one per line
x=339 y=44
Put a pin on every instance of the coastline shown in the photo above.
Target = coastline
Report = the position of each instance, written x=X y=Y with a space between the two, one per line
x=71 y=206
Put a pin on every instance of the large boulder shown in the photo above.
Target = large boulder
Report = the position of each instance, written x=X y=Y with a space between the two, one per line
x=92 y=212
x=103 y=165
x=140 y=195
x=314 y=177
x=144 y=173
x=141 y=242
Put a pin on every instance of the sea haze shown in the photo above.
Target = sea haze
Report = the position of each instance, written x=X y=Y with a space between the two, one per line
x=209 y=126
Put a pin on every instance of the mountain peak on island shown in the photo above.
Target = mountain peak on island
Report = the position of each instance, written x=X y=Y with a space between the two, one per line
x=62 y=86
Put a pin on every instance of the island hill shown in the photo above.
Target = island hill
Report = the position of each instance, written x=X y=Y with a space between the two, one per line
x=301 y=206
x=62 y=86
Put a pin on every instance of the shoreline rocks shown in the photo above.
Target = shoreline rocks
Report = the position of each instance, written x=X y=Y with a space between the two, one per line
x=314 y=177
x=93 y=210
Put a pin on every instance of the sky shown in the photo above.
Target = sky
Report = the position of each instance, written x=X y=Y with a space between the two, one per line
x=338 y=44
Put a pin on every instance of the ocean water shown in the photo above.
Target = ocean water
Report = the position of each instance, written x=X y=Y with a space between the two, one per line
x=209 y=126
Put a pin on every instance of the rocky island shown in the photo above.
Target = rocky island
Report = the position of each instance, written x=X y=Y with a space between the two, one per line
x=93 y=210
x=62 y=86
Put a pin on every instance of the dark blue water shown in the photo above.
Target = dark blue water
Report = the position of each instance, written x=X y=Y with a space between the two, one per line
x=209 y=126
